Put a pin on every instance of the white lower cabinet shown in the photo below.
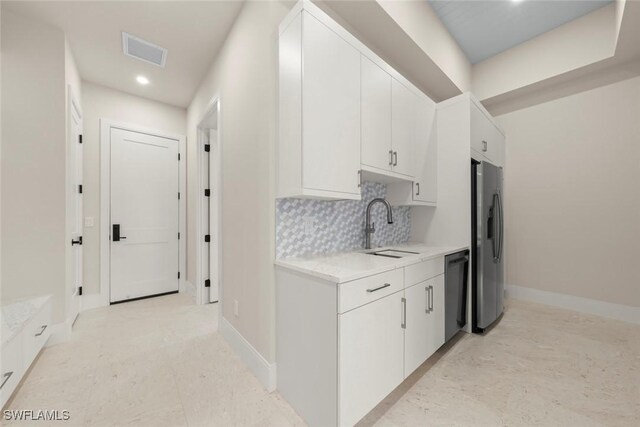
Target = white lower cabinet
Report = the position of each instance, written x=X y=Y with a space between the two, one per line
x=342 y=348
x=424 y=332
x=370 y=356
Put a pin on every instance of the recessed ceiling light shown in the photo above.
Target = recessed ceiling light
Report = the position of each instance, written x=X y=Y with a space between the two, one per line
x=142 y=80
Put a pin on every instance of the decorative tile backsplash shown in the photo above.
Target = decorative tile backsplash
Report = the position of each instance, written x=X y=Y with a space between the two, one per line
x=307 y=227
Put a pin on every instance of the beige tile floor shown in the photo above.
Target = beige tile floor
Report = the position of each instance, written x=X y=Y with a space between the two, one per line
x=160 y=362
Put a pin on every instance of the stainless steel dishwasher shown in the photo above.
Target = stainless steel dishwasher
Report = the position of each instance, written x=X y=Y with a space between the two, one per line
x=456 y=275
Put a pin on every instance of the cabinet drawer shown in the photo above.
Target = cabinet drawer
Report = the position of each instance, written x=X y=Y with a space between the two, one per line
x=422 y=271
x=36 y=333
x=362 y=291
x=10 y=368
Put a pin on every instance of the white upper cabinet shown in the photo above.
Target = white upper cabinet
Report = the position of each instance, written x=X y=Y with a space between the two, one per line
x=376 y=116
x=344 y=111
x=404 y=104
x=486 y=139
x=319 y=141
x=425 y=187
x=423 y=190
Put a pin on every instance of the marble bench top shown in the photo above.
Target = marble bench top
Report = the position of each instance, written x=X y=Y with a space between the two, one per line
x=347 y=266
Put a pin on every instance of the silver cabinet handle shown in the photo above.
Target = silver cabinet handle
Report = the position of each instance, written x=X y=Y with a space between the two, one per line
x=418 y=188
x=360 y=179
x=44 y=327
x=430 y=298
x=484 y=145
x=427 y=293
x=395 y=158
x=403 y=324
x=6 y=376
x=386 y=285
x=390 y=157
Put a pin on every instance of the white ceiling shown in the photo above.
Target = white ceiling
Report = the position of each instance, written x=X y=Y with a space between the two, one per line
x=193 y=32
x=485 y=28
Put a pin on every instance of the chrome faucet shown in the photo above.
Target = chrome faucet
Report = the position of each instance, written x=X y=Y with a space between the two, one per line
x=370 y=227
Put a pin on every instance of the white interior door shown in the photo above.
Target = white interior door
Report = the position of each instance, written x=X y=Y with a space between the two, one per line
x=214 y=198
x=144 y=215
x=76 y=154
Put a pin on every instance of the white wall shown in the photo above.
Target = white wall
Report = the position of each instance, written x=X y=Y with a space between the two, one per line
x=572 y=194
x=245 y=77
x=99 y=102
x=33 y=162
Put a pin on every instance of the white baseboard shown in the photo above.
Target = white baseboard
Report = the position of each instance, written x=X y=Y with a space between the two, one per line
x=60 y=332
x=190 y=289
x=583 y=305
x=87 y=302
x=258 y=365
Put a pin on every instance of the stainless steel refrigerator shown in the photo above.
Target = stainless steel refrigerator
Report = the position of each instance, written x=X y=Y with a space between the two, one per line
x=487 y=225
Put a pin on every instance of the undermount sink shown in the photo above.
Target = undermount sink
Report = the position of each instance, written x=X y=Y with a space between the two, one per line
x=392 y=253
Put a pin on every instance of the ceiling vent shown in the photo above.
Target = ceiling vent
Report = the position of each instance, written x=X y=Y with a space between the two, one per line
x=143 y=50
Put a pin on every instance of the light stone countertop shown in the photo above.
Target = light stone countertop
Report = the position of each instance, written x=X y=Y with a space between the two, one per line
x=15 y=314
x=347 y=266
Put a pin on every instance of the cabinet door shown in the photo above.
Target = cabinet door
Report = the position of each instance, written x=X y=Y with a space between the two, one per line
x=486 y=139
x=437 y=314
x=376 y=116
x=370 y=356
x=417 y=332
x=330 y=110
x=403 y=128
x=425 y=187
x=424 y=332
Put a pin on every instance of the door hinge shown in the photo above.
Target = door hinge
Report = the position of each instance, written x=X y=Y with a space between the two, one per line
x=207 y=147
x=178 y=274
x=178 y=195
x=178 y=156
x=79 y=290
x=207 y=192
x=207 y=283
x=80 y=188
x=80 y=139
x=207 y=238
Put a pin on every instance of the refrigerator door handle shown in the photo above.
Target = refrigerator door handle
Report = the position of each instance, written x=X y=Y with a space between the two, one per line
x=501 y=227
x=495 y=224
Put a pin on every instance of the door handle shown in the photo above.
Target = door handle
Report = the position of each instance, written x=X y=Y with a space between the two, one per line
x=390 y=157
x=495 y=225
x=500 y=226
x=115 y=234
x=77 y=242
x=484 y=145
x=418 y=188
x=44 y=327
x=395 y=158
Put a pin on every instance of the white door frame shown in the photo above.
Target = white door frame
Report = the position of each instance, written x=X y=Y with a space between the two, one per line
x=105 y=200
x=215 y=168
x=71 y=194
